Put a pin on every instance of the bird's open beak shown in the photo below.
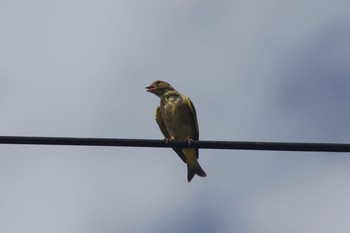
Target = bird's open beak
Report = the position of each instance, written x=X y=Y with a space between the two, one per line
x=150 y=88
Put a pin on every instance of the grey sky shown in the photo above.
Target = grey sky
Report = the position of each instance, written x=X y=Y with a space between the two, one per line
x=255 y=70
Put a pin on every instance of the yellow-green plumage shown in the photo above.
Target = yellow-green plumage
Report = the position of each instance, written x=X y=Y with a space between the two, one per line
x=177 y=119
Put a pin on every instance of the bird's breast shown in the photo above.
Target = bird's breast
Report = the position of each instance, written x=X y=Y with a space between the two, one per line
x=176 y=119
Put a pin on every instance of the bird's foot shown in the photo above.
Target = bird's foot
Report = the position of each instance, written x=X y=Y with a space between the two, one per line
x=167 y=140
x=189 y=141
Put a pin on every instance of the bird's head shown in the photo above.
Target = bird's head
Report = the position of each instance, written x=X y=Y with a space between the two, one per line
x=159 y=88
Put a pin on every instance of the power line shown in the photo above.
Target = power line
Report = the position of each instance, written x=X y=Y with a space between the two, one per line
x=228 y=145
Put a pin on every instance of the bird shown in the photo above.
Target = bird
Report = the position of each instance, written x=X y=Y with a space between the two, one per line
x=177 y=119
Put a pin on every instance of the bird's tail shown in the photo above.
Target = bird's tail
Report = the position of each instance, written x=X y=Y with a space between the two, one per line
x=193 y=168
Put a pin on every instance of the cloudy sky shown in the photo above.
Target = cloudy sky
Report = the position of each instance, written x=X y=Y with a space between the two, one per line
x=255 y=70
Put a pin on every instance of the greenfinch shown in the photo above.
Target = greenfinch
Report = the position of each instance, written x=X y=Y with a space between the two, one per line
x=177 y=120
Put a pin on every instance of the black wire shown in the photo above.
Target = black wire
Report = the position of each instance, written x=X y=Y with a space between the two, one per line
x=229 y=145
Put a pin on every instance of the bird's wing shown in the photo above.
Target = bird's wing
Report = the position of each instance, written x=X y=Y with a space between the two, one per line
x=160 y=122
x=194 y=122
